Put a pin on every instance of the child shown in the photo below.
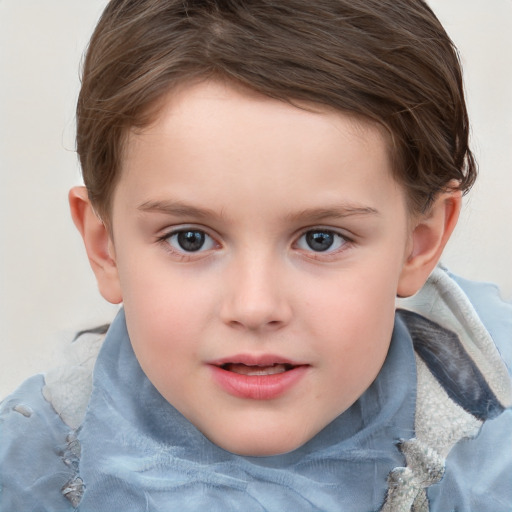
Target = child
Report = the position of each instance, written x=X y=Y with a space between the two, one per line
x=263 y=179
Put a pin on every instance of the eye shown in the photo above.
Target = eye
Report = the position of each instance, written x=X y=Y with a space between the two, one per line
x=321 y=240
x=190 y=240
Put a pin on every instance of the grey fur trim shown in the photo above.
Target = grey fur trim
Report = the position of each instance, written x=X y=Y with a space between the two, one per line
x=442 y=301
x=440 y=422
x=68 y=387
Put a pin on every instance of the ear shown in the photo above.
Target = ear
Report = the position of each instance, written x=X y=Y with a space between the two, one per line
x=98 y=244
x=429 y=236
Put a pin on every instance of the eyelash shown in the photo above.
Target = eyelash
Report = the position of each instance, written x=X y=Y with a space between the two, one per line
x=184 y=255
x=344 y=243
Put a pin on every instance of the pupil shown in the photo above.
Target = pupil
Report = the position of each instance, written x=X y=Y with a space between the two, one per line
x=319 y=240
x=191 y=240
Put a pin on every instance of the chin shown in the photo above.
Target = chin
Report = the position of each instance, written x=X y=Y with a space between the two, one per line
x=260 y=451
x=261 y=445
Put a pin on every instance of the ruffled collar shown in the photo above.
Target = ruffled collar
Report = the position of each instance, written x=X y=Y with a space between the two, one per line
x=140 y=453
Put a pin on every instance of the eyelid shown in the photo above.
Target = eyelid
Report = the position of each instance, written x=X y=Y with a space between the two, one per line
x=177 y=228
x=168 y=232
x=344 y=233
x=328 y=254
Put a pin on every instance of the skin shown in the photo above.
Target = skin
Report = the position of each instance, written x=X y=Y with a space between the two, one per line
x=258 y=178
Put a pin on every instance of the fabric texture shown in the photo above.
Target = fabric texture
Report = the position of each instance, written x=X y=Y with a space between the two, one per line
x=461 y=383
x=131 y=450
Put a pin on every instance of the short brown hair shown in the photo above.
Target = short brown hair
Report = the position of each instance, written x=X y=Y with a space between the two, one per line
x=389 y=61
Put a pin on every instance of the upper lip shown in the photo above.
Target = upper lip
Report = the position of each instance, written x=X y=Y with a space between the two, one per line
x=256 y=360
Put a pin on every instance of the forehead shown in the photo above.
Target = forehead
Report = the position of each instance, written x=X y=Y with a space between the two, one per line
x=222 y=136
x=207 y=102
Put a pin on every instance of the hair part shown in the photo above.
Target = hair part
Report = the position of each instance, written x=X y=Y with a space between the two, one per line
x=389 y=61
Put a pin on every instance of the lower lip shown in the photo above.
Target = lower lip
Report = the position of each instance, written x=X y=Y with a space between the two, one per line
x=258 y=387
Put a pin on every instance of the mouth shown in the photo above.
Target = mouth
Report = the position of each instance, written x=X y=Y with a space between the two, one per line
x=250 y=370
x=258 y=377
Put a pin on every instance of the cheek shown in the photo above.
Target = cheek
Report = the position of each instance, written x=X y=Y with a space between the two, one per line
x=165 y=312
x=354 y=323
x=165 y=338
x=355 y=301
x=163 y=289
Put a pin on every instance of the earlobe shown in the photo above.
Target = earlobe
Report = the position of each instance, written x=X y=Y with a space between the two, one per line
x=429 y=236
x=98 y=244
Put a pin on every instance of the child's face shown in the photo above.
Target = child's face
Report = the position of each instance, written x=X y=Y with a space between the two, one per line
x=259 y=248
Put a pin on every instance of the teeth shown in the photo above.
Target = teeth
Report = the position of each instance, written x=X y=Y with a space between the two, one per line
x=243 y=369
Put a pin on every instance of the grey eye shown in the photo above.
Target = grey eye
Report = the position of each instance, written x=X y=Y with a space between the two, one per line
x=321 y=240
x=190 y=240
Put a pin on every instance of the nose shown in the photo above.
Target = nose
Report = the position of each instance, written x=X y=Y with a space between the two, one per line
x=256 y=297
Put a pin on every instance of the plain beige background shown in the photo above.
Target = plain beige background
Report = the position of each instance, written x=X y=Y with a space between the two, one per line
x=47 y=291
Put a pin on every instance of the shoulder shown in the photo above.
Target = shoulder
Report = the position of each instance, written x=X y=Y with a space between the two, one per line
x=493 y=310
x=462 y=332
x=479 y=469
x=39 y=450
x=33 y=443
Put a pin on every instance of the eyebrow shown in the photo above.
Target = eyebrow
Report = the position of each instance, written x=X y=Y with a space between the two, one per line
x=335 y=212
x=176 y=209
x=179 y=209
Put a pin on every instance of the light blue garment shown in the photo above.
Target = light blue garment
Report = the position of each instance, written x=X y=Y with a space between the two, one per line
x=151 y=458
x=138 y=453
x=32 y=444
x=479 y=472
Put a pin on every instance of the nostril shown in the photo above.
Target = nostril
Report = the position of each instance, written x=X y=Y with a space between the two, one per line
x=255 y=311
